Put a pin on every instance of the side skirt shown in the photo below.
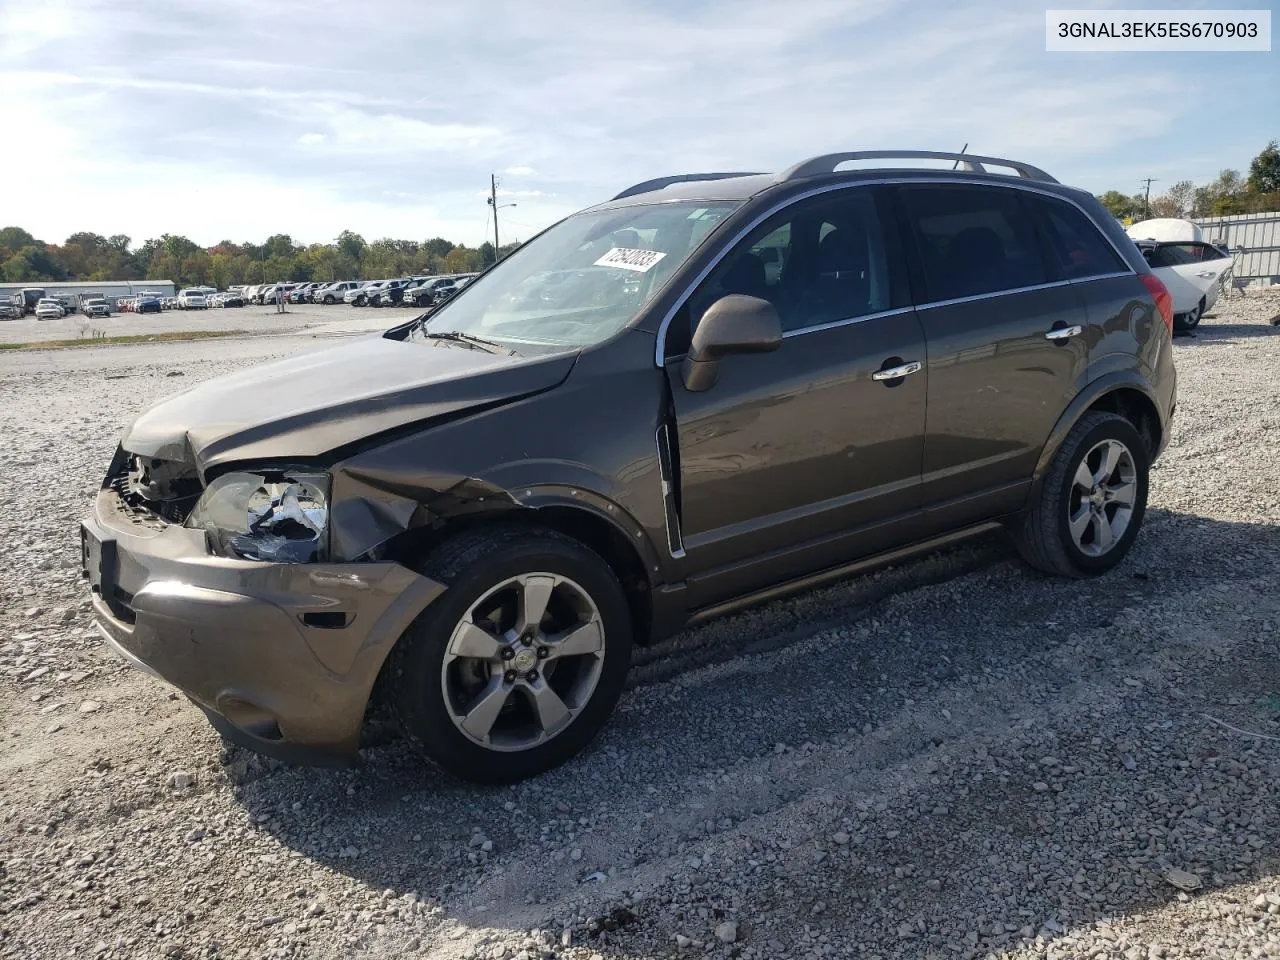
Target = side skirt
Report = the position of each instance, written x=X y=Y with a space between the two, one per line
x=808 y=582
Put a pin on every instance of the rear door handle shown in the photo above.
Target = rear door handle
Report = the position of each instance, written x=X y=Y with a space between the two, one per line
x=897 y=373
x=1064 y=333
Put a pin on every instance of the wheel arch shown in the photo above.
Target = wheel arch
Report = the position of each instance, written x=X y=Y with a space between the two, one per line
x=586 y=517
x=1121 y=393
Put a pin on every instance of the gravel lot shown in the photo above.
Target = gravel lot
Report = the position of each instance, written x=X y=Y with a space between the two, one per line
x=306 y=316
x=952 y=758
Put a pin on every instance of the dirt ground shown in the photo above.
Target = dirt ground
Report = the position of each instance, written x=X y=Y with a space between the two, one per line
x=297 y=318
x=955 y=757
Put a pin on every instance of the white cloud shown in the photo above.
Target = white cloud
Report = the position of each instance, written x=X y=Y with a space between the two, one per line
x=361 y=129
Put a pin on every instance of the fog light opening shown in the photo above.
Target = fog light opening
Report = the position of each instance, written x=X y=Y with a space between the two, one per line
x=252 y=719
x=327 y=619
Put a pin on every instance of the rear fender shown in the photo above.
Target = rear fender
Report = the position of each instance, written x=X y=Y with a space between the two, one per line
x=1083 y=402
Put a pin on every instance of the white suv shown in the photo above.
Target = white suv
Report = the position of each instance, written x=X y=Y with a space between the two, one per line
x=192 y=298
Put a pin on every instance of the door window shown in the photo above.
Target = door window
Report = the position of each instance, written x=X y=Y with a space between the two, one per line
x=819 y=261
x=1081 y=251
x=972 y=240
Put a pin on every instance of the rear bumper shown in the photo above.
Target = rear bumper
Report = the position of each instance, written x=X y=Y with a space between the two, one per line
x=282 y=658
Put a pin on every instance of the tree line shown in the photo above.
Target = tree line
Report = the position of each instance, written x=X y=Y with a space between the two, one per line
x=93 y=257
x=1231 y=193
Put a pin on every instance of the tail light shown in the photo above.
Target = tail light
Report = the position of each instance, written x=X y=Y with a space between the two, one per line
x=1164 y=300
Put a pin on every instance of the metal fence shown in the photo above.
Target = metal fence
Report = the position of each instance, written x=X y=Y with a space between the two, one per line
x=1254 y=240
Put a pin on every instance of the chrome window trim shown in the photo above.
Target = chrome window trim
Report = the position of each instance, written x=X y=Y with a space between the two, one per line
x=1103 y=276
x=660 y=341
x=846 y=322
x=994 y=293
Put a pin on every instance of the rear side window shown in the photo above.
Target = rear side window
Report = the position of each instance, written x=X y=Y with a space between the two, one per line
x=971 y=240
x=1172 y=255
x=1080 y=249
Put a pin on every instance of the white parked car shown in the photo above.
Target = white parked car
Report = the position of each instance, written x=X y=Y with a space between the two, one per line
x=334 y=292
x=359 y=296
x=1190 y=267
x=48 y=308
x=192 y=298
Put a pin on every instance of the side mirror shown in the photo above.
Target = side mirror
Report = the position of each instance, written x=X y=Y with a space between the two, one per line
x=733 y=324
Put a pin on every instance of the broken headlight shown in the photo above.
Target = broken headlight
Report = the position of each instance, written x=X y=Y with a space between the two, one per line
x=276 y=515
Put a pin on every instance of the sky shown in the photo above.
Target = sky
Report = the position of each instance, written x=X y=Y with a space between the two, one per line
x=239 y=119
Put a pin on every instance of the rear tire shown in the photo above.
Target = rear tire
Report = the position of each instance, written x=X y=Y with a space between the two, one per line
x=1186 y=322
x=472 y=694
x=1091 y=503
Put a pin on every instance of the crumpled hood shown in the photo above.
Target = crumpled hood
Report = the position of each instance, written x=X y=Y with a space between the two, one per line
x=307 y=406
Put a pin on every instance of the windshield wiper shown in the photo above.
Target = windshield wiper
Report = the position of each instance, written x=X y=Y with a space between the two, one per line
x=472 y=342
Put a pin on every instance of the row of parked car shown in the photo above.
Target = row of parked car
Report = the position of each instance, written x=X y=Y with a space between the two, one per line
x=48 y=306
x=419 y=291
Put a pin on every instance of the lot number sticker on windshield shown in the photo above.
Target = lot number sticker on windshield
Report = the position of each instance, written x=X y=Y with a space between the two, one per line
x=626 y=259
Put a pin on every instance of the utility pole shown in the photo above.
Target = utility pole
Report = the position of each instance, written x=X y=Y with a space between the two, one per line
x=1146 y=201
x=493 y=202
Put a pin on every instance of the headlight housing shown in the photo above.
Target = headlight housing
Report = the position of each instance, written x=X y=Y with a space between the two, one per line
x=277 y=515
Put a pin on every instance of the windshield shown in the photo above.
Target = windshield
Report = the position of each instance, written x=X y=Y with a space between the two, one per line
x=583 y=280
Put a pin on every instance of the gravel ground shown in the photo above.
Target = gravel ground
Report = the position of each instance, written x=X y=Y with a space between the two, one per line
x=955 y=757
x=256 y=320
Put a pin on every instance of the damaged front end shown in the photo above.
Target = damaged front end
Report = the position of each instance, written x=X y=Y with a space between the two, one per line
x=284 y=514
x=151 y=490
x=276 y=514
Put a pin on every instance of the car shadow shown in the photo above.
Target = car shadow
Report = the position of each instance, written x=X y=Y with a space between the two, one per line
x=1209 y=332
x=823 y=714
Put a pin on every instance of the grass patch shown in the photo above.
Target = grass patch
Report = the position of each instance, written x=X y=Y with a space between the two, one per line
x=136 y=338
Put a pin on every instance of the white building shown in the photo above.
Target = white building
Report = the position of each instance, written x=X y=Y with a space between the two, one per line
x=112 y=290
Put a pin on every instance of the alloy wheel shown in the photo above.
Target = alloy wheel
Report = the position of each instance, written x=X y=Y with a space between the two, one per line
x=1103 y=492
x=523 y=662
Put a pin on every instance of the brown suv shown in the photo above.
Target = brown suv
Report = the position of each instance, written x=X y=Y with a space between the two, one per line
x=708 y=391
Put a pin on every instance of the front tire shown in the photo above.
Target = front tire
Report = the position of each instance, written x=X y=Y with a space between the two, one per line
x=1092 y=501
x=519 y=664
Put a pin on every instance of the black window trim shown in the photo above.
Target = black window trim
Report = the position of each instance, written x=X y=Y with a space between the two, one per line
x=660 y=340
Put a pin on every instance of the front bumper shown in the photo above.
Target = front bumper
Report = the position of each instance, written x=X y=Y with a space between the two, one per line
x=281 y=657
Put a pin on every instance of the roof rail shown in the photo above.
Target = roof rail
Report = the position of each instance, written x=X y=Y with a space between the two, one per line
x=827 y=163
x=660 y=182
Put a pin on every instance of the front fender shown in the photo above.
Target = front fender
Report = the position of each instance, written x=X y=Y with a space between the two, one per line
x=602 y=508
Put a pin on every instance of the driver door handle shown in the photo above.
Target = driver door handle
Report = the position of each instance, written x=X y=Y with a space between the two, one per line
x=1064 y=333
x=895 y=373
